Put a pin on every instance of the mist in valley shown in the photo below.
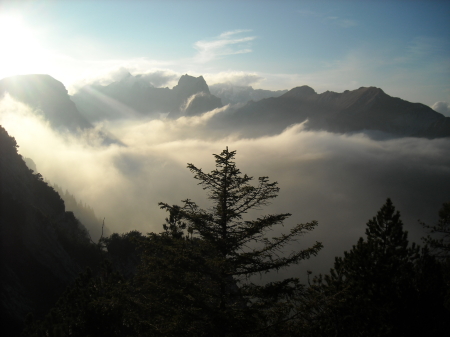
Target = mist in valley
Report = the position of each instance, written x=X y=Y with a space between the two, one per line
x=340 y=180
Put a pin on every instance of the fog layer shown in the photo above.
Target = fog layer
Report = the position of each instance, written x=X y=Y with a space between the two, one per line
x=339 y=180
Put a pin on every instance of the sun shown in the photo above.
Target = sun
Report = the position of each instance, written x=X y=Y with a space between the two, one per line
x=21 y=52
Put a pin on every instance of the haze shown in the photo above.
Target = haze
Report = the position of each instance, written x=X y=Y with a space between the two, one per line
x=339 y=180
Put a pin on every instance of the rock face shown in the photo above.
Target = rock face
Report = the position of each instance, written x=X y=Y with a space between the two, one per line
x=41 y=244
x=132 y=96
x=351 y=111
x=189 y=85
x=47 y=94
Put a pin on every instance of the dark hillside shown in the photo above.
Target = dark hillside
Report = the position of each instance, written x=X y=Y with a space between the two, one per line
x=43 y=248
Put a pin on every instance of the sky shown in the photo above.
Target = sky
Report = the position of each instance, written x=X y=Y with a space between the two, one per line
x=401 y=46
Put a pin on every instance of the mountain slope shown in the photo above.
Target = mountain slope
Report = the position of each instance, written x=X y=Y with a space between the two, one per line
x=351 y=111
x=43 y=248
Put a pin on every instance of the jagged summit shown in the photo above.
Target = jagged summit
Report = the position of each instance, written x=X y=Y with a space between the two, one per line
x=190 y=85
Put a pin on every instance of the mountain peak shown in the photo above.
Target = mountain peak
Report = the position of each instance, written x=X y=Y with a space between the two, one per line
x=190 y=85
x=300 y=92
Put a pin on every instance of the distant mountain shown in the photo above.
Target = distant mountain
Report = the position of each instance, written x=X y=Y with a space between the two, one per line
x=351 y=111
x=133 y=96
x=266 y=112
x=43 y=247
x=47 y=94
x=233 y=94
x=50 y=97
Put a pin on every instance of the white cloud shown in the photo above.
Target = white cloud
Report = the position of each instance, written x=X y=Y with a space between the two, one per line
x=225 y=44
x=234 y=32
x=150 y=73
x=234 y=77
x=442 y=107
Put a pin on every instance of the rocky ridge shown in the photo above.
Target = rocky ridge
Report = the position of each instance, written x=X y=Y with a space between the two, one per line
x=363 y=109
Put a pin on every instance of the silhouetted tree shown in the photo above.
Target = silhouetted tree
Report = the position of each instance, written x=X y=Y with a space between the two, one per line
x=381 y=287
x=239 y=248
x=438 y=240
x=93 y=306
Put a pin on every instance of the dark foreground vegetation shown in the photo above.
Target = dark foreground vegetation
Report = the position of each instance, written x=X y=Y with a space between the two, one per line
x=193 y=279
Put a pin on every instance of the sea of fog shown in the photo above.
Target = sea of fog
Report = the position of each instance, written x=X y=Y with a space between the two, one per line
x=339 y=180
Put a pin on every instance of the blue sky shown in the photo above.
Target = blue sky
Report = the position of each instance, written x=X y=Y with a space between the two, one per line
x=401 y=46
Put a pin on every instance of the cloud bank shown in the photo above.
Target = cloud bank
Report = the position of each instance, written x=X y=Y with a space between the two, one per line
x=339 y=180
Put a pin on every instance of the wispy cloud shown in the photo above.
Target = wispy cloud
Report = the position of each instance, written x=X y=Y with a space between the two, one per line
x=325 y=18
x=227 y=43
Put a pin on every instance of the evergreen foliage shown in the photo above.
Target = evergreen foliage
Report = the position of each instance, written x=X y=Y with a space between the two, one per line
x=382 y=287
x=438 y=240
x=93 y=306
x=240 y=247
x=440 y=246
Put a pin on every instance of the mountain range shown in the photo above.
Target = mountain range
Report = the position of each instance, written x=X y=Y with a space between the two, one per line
x=132 y=96
x=364 y=109
x=253 y=113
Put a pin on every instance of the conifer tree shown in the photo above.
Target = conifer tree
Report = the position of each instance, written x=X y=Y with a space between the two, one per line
x=438 y=240
x=440 y=246
x=241 y=246
x=381 y=287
